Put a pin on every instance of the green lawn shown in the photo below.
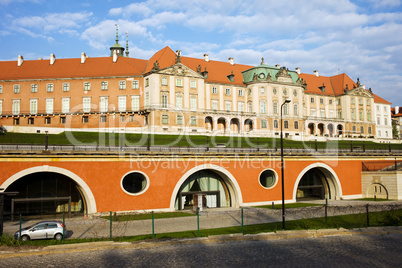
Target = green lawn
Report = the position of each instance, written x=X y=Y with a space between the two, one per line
x=114 y=139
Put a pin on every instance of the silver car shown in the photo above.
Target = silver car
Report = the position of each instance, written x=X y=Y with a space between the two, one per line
x=42 y=230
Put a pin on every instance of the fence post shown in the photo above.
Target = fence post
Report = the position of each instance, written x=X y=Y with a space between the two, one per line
x=153 y=224
x=64 y=224
x=326 y=210
x=273 y=205
x=242 y=226
x=368 y=219
x=110 y=225
x=198 y=222
x=20 y=225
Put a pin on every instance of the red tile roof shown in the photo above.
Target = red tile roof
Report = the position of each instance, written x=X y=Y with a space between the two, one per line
x=378 y=99
x=71 y=68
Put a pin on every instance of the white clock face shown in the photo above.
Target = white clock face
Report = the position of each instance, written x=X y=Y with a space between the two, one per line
x=262 y=75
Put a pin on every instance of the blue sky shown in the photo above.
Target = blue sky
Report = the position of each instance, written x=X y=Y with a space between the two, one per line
x=362 y=38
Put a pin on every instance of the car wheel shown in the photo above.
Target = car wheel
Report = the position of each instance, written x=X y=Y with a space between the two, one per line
x=58 y=236
x=24 y=238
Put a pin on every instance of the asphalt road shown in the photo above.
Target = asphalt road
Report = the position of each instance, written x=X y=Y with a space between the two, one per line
x=332 y=251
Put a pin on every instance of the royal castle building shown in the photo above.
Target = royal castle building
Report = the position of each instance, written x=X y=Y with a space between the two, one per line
x=172 y=93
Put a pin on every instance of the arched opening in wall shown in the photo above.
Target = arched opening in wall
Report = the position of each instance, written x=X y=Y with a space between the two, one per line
x=331 y=130
x=317 y=183
x=311 y=128
x=321 y=129
x=339 y=129
x=235 y=125
x=46 y=194
x=377 y=190
x=209 y=125
x=216 y=189
x=248 y=125
x=221 y=123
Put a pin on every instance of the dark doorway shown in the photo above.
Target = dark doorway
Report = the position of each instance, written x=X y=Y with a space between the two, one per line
x=313 y=185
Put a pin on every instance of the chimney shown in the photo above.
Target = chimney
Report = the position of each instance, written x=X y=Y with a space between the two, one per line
x=206 y=57
x=114 y=55
x=396 y=109
x=298 y=70
x=231 y=61
x=316 y=73
x=278 y=66
x=52 y=59
x=83 y=57
x=20 y=60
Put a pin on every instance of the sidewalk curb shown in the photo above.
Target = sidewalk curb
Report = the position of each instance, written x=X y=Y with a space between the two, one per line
x=291 y=234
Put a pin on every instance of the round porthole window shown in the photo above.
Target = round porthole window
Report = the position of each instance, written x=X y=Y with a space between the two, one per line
x=135 y=183
x=268 y=178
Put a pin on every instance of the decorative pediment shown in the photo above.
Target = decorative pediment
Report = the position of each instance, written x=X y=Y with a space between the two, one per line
x=180 y=70
x=283 y=75
x=359 y=91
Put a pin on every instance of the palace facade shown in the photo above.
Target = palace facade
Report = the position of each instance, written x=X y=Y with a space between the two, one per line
x=171 y=93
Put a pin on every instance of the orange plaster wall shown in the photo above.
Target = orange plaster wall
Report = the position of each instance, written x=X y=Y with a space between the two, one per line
x=104 y=179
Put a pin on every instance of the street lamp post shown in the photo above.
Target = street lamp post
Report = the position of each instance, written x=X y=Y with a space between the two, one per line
x=282 y=171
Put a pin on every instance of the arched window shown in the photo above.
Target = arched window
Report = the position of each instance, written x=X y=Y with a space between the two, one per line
x=275 y=123
x=295 y=109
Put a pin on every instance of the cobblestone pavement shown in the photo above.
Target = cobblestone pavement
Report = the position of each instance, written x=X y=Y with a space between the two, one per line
x=333 y=251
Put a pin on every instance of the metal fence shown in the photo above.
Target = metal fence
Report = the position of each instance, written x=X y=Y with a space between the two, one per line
x=188 y=149
x=244 y=220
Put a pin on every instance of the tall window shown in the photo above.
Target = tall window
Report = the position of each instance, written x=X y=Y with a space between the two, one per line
x=135 y=84
x=49 y=88
x=263 y=107
x=264 y=123
x=16 y=88
x=104 y=104
x=1 y=89
x=193 y=120
x=16 y=106
x=146 y=82
x=122 y=103
x=275 y=107
x=285 y=109
x=361 y=115
x=362 y=129
x=104 y=85
x=240 y=106
x=312 y=100
x=165 y=119
x=179 y=101
x=86 y=105
x=296 y=124
x=368 y=116
x=240 y=92
x=179 y=119
x=49 y=106
x=147 y=99
x=34 y=88
x=164 y=81
x=214 y=104
x=228 y=105
x=249 y=107
x=312 y=112
x=1 y=106
x=193 y=84
x=322 y=113
x=214 y=90
x=164 y=100
x=179 y=82
x=122 y=84
x=193 y=103
x=34 y=106
x=286 y=124
x=295 y=109
x=227 y=91
x=353 y=114
x=275 y=123
x=65 y=105
x=331 y=113
x=87 y=86
x=135 y=103
x=66 y=87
